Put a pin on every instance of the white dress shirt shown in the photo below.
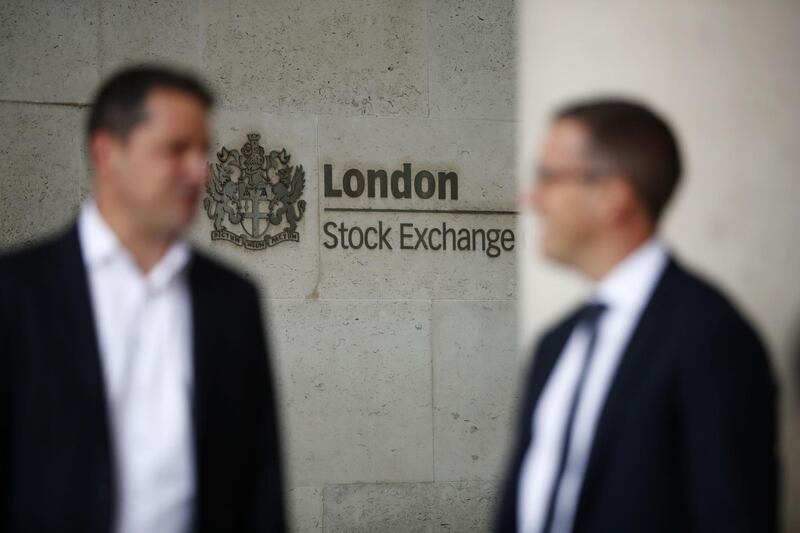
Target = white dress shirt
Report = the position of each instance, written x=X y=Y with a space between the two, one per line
x=625 y=290
x=143 y=324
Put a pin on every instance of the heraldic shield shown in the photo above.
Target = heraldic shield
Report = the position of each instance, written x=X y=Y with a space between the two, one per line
x=257 y=192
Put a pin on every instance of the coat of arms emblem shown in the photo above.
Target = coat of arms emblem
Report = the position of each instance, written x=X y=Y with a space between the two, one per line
x=256 y=191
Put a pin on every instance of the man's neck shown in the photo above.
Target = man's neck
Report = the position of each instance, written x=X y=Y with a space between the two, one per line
x=611 y=251
x=146 y=249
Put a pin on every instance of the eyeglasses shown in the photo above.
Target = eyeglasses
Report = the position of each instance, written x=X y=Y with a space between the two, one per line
x=548 y=176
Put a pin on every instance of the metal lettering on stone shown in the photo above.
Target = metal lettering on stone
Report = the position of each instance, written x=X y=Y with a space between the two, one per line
x=257 y=193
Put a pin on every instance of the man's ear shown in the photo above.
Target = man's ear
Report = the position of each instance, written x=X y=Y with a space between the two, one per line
x=620 y=200
x=102 y=145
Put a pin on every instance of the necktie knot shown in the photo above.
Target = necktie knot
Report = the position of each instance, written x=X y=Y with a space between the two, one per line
x=591 y=312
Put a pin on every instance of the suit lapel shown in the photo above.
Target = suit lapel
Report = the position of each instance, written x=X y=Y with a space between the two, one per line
x=204 y=338
x=201 y=307
x=76 y=322
x=544 y=361
x=643 y=343
x=75 y=337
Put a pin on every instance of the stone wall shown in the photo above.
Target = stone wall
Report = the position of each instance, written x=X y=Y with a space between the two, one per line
x=396 y=368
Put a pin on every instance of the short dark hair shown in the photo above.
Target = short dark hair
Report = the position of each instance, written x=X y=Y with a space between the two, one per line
x=635 y=141
x=118 y=104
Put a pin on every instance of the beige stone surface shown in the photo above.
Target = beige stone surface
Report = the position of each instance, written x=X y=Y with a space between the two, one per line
x=149 y=31
x=350 y=57
x=472 y=58
x=42 y=163
x=410 y=507
x=475 y=380
x=355 y=389
x=305 y=509
x=48 y=51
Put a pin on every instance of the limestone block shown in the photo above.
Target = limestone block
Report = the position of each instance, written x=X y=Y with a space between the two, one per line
x=472 y=59
x=305 y=509
x=347 y=58
x=133 y=32
x=355 y=389
x=467 y=506
x=462 y=507
x=475 y=374
x=48 y=51
x=379 y=508
x=41 y=150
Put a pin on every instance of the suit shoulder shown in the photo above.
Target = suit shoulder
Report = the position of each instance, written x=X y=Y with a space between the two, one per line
x=714 y=324
x=716 y=346
x=23 y=270
x=214 y=272
x=23 y=262
x=705 y=303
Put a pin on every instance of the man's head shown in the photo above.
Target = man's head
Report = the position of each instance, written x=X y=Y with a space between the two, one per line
x=606 y=171
x=148 y=141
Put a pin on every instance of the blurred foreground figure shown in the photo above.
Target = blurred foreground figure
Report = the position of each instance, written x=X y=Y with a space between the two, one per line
x=127 y=402
x=652 y=407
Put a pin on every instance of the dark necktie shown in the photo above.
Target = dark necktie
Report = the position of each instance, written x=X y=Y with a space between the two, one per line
x=587 y=319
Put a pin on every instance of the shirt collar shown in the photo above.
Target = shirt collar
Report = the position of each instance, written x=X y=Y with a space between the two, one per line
x=629 y=284
x=100 y=246
x=170 y=265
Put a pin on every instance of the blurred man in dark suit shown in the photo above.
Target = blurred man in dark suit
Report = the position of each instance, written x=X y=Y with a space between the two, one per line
x=652 y=407
x=127 y=402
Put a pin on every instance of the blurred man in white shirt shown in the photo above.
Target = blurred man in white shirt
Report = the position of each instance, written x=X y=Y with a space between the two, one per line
x=126 y=404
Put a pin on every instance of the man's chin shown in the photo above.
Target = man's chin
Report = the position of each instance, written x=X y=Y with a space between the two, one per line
x=552 y=252
x=185 y=213
x=178 y=225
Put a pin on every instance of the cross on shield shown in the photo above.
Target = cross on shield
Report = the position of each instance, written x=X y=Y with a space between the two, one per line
x=255 y=208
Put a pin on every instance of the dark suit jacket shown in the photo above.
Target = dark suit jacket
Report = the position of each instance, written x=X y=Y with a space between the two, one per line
x=686 y=440
x=56 y=459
